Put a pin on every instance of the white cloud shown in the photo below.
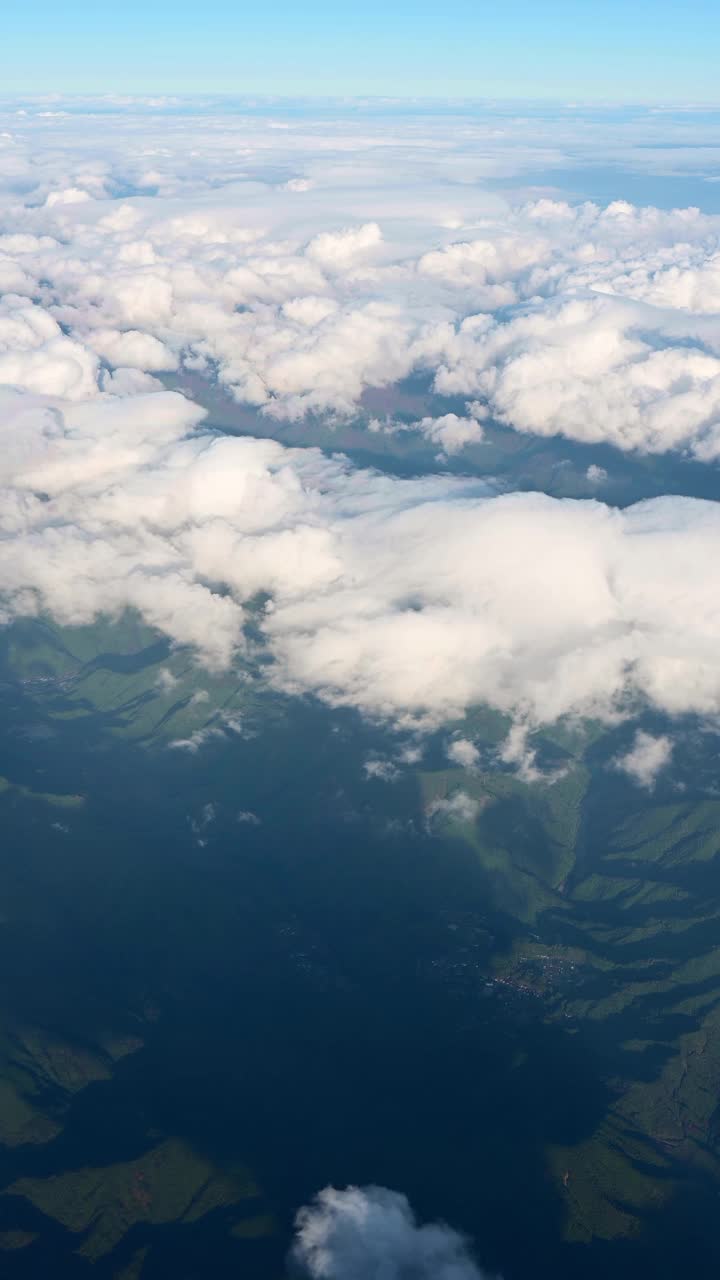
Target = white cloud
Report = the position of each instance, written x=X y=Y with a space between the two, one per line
x=411 y=600
x=588 y=369
x=383 y=271
x=517 y=752
x=131 y=349
x=247 y=816
x=463 y=752
x=369 y=1233
x=218 y=729
x=384 y=770
x=647 y=757
x=342 y=249
x=458 y=807
x=451 y=432
x=71 y=195
x=309 y=311
x=37 y=356
x=486 y=269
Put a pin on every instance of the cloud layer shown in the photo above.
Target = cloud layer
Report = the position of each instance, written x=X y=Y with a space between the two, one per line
x=411 y=600
x=299 y=275
x=300 y=269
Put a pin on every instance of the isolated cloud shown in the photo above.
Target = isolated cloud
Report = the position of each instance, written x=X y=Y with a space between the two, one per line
x=458 y=807
x=449 y=431
x=370 y=1233
x=247 y=816
x=384 y=770
x=463 y=752
x=219 y=729
x=646 y=758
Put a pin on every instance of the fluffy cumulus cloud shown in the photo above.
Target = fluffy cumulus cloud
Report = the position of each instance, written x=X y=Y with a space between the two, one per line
x=370 y=1233
x=37 y=355
x=463 y=752
x=411 y=600
x=646 y=758
x=342 y=249
x=302 y=266
x=596 y=369
x=488 y=270
x=449 y=431
x=287 y=268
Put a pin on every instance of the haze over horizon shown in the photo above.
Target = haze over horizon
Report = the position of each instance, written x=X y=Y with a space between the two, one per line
x=619 y=52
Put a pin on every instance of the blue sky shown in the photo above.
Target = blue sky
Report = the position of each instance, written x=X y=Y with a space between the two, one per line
x=649 y=50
